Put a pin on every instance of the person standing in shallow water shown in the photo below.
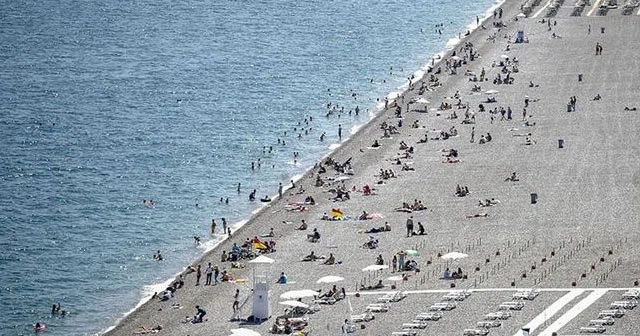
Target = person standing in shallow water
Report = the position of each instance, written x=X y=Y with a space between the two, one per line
x=340 y=132
x=213 y=226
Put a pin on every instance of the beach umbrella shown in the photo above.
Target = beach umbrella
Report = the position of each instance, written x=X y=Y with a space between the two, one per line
x=423 y=101
x=521 y=16
x=412 y=253
x=294 y=303
x=262 y=260
x=504 y=56
x=395 y=278
x=341 y=178
x=454 y=256
x=372 y=268
x=375 y=216
x=298 y=294
x=492 y=91
x=244 y=332
x=330 y=279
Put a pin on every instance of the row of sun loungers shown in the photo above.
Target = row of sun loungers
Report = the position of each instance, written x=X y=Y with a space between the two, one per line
x=617 y=310
x=434 y=314
x=494 y=320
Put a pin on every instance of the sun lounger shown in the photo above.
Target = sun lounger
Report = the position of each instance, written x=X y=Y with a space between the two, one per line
x=440 y=306
x=624 y=304
x=512 y=305
x=326 y=300
x=392 y=297
x=475 y=332
x=405 y=333
x=419 y=325
x=502 y=315
x=378 y=308
x=489 y=324
x=616 y=313
x=631 y=294
x=526 y=295
x=366 y=317
x=455 y=296
x=433 y=316
x=593 y=330
x=603 y=321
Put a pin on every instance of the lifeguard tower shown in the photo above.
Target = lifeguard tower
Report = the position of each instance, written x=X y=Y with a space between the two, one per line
x=261 y=301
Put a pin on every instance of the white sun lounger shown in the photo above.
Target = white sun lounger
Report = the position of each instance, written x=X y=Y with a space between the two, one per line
x=475 y=332
x=631 y=294
x=501 y=315
x=603 y=321
x=593 y=330
x=624 y=304
x=419 y=325
x=454 y=297
x=366 y=317
x=432 y=316
x=526 y=295
x=392 y=297
x=378 y=307
x=404 y=333
x=440 y=306
x=617 y=313
x=511 y=305
x=489 y=324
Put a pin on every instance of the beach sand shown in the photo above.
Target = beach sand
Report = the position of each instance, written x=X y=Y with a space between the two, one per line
x=587 y=206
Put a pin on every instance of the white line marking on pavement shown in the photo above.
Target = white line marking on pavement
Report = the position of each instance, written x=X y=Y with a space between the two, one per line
x=553 y=309
x=596 y=5
x=542 y=9
x=573 y=312
x=481 y=290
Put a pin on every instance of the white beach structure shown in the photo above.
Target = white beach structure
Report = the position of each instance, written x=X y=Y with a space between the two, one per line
x=261 y=300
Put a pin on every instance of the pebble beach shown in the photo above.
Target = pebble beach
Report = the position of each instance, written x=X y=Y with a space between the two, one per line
x=566 y=224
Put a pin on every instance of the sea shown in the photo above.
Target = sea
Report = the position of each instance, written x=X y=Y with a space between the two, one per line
x=107 y=104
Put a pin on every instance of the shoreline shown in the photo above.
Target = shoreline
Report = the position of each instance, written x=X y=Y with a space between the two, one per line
x=377 y=113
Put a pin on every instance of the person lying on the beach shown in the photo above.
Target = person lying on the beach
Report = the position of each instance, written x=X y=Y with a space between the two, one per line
x=451 y=160
x=597 y=97
x=312 y=257
x=424 y=140
x=478 y=215
x=528 y=141
x=385 y=228
x=626 y=108
x=377 y=286
x=488 y=202
x=405 y=167
x=371 y=244
x=363 y=216
x=512 y=178
x=143 y=330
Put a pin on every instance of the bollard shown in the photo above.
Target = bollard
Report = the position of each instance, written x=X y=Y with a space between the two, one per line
x=601 y=30
x=579 y=77
x=534 y=197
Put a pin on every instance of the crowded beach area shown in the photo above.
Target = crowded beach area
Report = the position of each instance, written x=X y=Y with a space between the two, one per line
x=497 y=195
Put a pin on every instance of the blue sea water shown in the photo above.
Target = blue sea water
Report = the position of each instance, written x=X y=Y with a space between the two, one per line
x=107 y=103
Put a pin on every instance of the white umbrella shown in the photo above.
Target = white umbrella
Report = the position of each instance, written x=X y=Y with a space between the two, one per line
x=297 y=294
x=262 y=260
x=341 y=178
x=330 y=279
x=371 y=268
x=454 y=256
x=492 y=91
x=455 y=58
x=294 y=303
x=504 y=56
x=244 y=332
x=423 y=101
x=395 y=278
x=521 y=16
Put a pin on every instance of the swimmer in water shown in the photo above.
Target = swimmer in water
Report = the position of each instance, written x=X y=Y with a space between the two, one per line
x=158 y=256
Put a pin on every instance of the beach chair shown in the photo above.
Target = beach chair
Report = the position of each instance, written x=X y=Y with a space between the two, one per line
x=489 y=324
x=624 y=304
x=632 y=294
x=615 y=313
x=475 y=332
x=593 y=330
x=392 y=297
x=432 y=316
x=325 y=300
x=441 y=306
x=501 y=315
x=365 y=317
x=526 y=295
x=511 y=305
x=414 y=325
x=409 y=332
x=455 y=296
x=608 y=320
x=378 y=308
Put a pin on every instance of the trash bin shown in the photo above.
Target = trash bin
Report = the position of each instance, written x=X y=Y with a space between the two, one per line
x=534 y=198
x=560 y=143
x=579 y=77
x=602 y=30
